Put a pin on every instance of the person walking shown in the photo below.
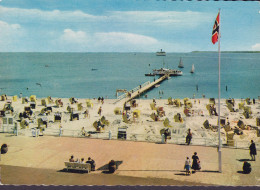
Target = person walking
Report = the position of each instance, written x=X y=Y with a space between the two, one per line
x=196 y=162
x=252 y=149
x=99 y=110
x=60 y=131
x=188 y=137
x=187 y=166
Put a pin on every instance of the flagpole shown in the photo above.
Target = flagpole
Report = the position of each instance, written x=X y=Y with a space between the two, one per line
x=219 y=139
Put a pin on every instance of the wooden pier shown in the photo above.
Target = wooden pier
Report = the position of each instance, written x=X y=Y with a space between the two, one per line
x=136 y=92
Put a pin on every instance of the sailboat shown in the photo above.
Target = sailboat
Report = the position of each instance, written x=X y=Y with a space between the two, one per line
x=192 y=68
x=181 y=64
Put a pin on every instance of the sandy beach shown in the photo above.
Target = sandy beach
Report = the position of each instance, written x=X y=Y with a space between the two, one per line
x=142 y=153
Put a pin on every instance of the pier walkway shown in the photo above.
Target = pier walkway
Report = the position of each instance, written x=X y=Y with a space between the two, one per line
x=140 y=90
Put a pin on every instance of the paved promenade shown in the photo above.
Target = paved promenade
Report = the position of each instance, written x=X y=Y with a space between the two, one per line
x=138 y=159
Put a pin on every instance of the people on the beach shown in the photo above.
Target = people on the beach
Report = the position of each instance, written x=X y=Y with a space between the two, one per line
x=252 y=149
x=187 y=166
x=188 y=137
x=99 y=110
x=71 y=158
x=166 y=134
x=112 y=166
x=60 y=131
x=82 y=160
x=83 y=131
x=86 y=114
x=246 y=168
x=127 y=115
x=195 y=162
x=154 y=102
x=92 y=163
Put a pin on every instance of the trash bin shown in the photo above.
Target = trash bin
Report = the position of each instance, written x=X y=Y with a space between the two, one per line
x=122 y=133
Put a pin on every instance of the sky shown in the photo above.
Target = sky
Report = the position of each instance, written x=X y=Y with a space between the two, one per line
x=126 y=25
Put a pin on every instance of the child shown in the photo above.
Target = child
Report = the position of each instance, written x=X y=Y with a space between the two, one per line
x=187 y=166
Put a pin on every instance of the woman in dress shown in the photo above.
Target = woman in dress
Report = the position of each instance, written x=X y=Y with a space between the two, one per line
x=195 y=163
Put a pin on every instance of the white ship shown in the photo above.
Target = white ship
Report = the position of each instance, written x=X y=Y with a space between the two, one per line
x=161 y=53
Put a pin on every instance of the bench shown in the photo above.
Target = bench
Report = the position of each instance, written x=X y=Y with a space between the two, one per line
x=78 y=166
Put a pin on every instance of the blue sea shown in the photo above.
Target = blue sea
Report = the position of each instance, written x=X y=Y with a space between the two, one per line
x=90 y=75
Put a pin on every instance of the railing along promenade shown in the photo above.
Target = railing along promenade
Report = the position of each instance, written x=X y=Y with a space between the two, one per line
x=151 y=138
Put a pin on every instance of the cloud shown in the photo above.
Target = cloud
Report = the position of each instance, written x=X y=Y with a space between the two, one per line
x=74 y=37
x=118 y=38
x=5 y=27
x=119 y=31
x=180 y=19
x=71 y=40
x=256 y=47
x=80 y=41
x=9 y=36
x=30 y=15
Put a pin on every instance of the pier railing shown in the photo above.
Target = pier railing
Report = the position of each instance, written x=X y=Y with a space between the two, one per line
x=133 y=90
x=151 y=138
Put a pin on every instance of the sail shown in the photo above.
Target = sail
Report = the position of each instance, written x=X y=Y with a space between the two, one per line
x=192 y=68
x=181 y=64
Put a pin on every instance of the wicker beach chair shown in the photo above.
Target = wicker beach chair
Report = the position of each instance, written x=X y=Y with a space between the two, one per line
x=80 y=107
x=118 y=111
x=14 y=98
x=43 y=102
x=33 y=98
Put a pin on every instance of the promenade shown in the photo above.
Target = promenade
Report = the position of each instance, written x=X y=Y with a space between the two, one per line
x=45 y=156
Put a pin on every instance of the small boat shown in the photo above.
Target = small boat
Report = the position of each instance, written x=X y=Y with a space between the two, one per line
x=150 y=74
x=156 y=86
x=192 y=69
x=181 y=64
x=93 y=69
x=161 y=53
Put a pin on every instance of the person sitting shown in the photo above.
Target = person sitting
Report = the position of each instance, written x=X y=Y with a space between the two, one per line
x=112 y=166
x=246 y=168
x=82 y=160
x=71 y=158
x=92 y=163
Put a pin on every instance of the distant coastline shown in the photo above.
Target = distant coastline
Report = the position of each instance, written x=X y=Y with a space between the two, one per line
x=226 y=52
